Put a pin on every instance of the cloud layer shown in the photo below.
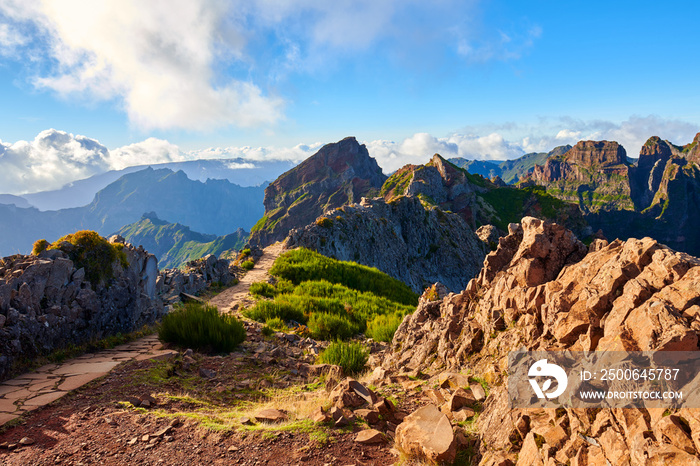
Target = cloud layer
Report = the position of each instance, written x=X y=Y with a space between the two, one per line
x=55 y=158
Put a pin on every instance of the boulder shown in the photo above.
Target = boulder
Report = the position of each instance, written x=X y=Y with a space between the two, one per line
x=427 y=434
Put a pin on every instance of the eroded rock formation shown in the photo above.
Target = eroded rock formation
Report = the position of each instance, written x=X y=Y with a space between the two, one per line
x=544 y=290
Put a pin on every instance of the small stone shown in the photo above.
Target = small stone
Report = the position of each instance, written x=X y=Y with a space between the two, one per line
x=154 y=440
x=207 y=373
x=342 y=421
x=478 y=391
x=270 y=415
x=232 y=449
x=133 y=441
x=369 y=415
x=163 y=431
x=463 y=414
x=188 y=352
x=145 y=438
x=134 y=401
x=175 y=423
x=26 y=441
x=385 y=406
x=4 y=445
x=320 y=416
x=370 y=437
x=145 y=404
x=246 y=421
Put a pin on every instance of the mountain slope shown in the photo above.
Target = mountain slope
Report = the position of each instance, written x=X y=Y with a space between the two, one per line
x=216 y=207
x=338 y=174
x=509 y=171
x=174 y=244
x=477 y=200
x=416 y=244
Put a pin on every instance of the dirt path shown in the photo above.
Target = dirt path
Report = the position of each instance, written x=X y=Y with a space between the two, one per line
x=237 y=296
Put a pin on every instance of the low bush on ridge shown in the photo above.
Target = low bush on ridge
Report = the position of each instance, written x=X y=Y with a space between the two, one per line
x=352 y=357
x=200 y=326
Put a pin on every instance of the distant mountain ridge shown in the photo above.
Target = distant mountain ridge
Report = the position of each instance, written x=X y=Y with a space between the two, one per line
x=238 y=171
x=215 y=207
x=658 y=196
x=174 y=244
x=509 y=171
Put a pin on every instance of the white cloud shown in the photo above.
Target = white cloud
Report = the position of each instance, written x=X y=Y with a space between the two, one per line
x=159 y=58
x=52 y=159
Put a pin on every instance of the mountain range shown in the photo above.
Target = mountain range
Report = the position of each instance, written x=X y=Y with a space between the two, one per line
x=80 y=193
x=215 y=207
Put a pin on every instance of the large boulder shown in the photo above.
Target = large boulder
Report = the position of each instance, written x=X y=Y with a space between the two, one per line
x=427 y=434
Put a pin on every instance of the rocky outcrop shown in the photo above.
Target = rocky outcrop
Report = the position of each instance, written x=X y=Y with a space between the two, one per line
x=544 y=290
x=427 y=433
x=414 y=243
x=47 y=304
x=195 y=277
x=338 y=174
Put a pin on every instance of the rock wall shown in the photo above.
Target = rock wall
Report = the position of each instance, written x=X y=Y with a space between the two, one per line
x=46 y=303
x=415 y=244
x=542 y=290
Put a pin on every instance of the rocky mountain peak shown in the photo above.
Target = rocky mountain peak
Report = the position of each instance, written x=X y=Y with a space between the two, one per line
x=694 y=149
x=338 y=174
x=597 y=153
x=653 y=150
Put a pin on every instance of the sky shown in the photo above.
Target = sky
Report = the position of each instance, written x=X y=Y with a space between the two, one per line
x=89 y=86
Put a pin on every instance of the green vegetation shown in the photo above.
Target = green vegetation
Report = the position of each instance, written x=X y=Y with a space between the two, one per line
x=200 y=326
x=248 y=265
x=510 y=204
x=352 y=357
x=40 y=246
x=324 y=222
x=337 y=300
x=397 y=183
x=262 y=289
x=89 y=250
x=383 y=327
x=303 y=265
x=259 y=225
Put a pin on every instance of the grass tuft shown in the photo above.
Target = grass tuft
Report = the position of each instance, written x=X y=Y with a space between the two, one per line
x=200 y=326
x=352 y=357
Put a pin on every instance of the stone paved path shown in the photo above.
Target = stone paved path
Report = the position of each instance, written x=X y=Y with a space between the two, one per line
x=236 y=296
x=48 y=383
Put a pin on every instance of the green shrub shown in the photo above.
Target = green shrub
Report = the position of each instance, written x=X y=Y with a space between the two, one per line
x=200 y=326
x=324 y=222
x=382 y=328
x=89 y=250
x=277 y=324
x=302 y=265
x=262 y=289
x=40 y=246
x=248 y=265
x=325 y=326
x=245 y=252
x=266 y=310
x=267 y=331
x=352 y=357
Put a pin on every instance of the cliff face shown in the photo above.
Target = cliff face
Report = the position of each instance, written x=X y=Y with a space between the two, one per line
x=543 y=290
x=413 y=243
x=47 y=304
x=593 y=174
x=337 y=174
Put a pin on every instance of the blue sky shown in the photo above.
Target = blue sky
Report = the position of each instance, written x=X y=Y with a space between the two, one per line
x=160 y=81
